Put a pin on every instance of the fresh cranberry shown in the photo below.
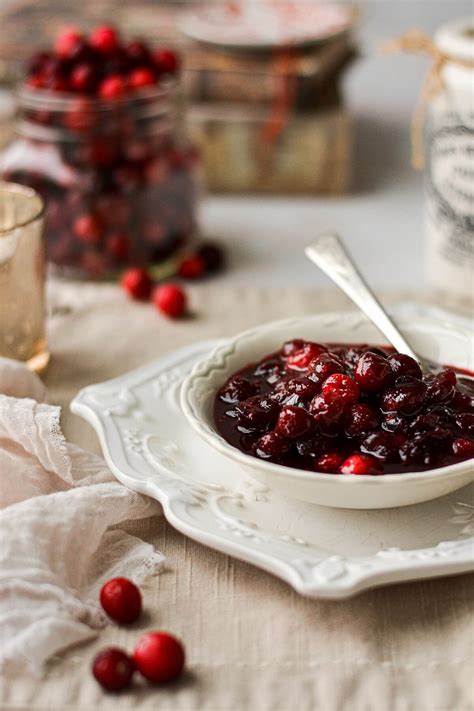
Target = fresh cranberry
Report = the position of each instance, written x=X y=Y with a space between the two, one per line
x=295 y=390
x=441 y=386
x=360 y=464
x=406 y=397
x=324 y=365
x=372 y=372
x=340 y=388
x=293 y=422
x=121 y=600
x=383 y=445
x=113 y=669
x=237 y=389
x=83 y=77
x=192 y=267
x=463 y=447
x=300 y=359
x=271 y=446
x=165 y=61
x=67 y=42
x=465 y=422
x=170 y=300
x=137 y=283
x=327 y=414
x=212 y=255
x=394 y=423
x=112 y=87
x=104 y=39
x=329 y=463
x=401 y=364
x=137 y=53
x=88 y=228
x=258 y=413
x=360 y=419
x=140 y=77
x=118 y=246
x=159 y=656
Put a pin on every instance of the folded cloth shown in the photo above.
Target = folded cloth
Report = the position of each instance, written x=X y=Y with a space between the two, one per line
x=57 y=506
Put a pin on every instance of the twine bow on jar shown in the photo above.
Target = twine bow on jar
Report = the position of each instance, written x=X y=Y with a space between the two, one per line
x=416 y=42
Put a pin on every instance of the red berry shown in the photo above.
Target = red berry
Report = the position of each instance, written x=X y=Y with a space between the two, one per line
x=340 y=388
x=112 y=87
x=463 y=447
x=88 y=228
x=137 y=283
x=166 y=61
x=67 y=42
x=372 y=371
x=360 y=419
x=324 y=365
x=360 y=464
x=329 y=463
x=113 y=669
x=121 y=600
x=159 y=656
x=401 y=364
x=212 y=255
x=83 y=77
x=301 y=358
x=192 y=268
x=170 y=300
x=293 y=422
x=141 y=77
x=406 y=397
x=104 y=39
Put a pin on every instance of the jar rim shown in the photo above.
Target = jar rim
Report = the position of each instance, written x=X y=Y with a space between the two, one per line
x=36 y=98
x=26 y=192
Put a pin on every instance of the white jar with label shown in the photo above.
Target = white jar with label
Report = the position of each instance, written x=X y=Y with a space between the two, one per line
x=449 y=202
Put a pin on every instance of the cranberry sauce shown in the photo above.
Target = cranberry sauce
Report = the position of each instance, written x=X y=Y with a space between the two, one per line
x=347 y=409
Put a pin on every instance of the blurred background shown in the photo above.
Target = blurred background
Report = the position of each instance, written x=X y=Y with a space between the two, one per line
x=365 y=189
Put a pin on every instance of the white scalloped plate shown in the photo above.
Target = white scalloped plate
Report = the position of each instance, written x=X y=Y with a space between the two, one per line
x=319 y=551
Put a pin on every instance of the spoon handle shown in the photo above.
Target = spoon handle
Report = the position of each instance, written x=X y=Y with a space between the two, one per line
x=328 y=253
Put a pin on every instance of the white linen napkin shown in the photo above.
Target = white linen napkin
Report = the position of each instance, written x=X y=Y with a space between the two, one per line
x=57 y=506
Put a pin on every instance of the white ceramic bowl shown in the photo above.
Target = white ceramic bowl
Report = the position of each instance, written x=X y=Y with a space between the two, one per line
x=442 y=343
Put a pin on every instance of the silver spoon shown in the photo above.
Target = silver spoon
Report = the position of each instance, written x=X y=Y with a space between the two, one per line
x=329 y=254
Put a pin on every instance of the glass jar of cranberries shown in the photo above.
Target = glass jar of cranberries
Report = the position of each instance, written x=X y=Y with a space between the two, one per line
x=120 y=181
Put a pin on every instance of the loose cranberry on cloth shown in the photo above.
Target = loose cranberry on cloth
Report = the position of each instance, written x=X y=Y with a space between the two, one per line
x=57 y=506
x=159 y=656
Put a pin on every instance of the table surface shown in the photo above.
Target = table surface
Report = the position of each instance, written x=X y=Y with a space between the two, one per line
x=252 y=642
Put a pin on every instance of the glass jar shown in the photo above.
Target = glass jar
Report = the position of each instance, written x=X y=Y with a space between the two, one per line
x=22 y=294
x=449 y=201
x=120 y=181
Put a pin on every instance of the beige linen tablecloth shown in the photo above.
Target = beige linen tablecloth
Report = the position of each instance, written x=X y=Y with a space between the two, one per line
x=252 y=643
